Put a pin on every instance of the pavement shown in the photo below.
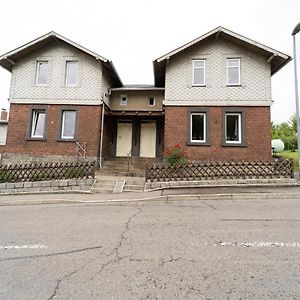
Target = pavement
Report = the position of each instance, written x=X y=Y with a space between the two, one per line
x=180 y=249
x=201 y=193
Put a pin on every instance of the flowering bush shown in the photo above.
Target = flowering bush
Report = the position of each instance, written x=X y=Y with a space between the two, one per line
x=175 y=155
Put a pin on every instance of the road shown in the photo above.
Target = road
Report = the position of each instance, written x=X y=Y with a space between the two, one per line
x=233 y=249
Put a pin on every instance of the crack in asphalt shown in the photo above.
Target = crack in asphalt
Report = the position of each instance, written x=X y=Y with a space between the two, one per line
x=163 y=262
x=116 y=250
x=51 y=254
x=59 y=281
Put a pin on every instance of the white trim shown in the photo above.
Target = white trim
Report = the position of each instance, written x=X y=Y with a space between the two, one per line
x=200 y=68
x=57 y=101
x=38 y=64
x=239 y=115
x=151 y=97
x=67 y=137
x=204 y=127
x=239 y=71
x=121 y=100
x=33 y=121
x=231 y=33
x=217 y=102
x=54 y=34
x=68 y=62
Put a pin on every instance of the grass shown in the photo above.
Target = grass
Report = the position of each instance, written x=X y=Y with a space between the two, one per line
x=293 y=155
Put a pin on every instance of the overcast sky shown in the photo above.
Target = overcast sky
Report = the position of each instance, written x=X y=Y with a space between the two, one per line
x=132 y=33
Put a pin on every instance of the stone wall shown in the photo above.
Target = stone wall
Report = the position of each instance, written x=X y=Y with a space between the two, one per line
x=75 y=185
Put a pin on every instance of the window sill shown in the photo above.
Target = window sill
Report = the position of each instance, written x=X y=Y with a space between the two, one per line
x=198 y=85
x=189 y=143
x=36 y=139
x=65 y=140
x=233 y=85
x=241 y=145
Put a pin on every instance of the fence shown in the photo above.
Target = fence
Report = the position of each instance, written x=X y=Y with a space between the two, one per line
x=210 y=170
x=47 y=171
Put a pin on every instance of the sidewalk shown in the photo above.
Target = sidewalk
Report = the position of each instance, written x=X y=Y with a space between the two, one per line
x=188 y=194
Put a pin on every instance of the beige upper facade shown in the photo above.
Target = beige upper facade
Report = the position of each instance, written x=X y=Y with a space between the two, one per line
x=173 y=72
x=255 y=77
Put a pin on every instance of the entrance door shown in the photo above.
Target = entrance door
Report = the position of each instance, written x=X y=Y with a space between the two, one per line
x=148 y=139
x=124 y=139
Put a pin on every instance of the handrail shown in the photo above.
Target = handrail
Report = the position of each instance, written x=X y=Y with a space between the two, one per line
x=129 y=159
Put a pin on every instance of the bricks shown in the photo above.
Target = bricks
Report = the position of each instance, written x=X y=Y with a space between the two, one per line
x=88 y=131
x=258 y=135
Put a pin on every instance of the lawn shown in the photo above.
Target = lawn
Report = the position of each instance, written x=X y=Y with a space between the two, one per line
x=293 y=155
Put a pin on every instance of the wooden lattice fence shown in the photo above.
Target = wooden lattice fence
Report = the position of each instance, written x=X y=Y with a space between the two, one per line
x=213 y=170
x=47 y=171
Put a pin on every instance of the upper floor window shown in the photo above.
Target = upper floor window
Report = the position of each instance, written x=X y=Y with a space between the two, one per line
x=38 y=123
x=151 y=101
x=233 y=71
x=123 y=100
x=42 y=73
x=71 y=73
x=199 y=72
x=68 y=124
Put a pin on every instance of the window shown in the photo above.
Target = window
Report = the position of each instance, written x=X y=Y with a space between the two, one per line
x=71 y=73
x=68 y=124
x=199 y=72
x=198 y=127
x=233 y=128
x=38 y=124
x=151 y=101
x=42 y=73
x=123 y=100
x=233 y=71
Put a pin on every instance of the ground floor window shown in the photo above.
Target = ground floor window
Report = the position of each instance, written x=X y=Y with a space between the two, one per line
x=38 y=120
x=198 y=127
x=233 y=128
x=68 y=124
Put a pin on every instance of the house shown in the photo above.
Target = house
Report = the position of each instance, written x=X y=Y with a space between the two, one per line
x=212 y=96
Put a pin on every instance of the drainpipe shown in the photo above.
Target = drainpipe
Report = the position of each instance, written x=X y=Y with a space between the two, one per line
x=101 y=134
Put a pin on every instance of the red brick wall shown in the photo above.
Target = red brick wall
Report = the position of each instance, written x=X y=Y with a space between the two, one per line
x=257 y=130
x=88 y=130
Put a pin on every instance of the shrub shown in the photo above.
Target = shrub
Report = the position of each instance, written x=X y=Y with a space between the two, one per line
x=175 y=155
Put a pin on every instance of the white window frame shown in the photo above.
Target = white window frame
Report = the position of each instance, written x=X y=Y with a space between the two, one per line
x=239 y=71
x=191 y=127
x=204 y=68
x=67 y=73
x=121 y=100
x=62 y=136
x=33 y=121
x=239 y=128
x=151 y=97
x=39 y=62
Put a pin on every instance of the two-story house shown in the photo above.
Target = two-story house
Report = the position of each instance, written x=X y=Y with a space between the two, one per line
x=212 y=96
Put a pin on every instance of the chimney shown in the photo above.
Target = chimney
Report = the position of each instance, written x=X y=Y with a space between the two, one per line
x=4 y=114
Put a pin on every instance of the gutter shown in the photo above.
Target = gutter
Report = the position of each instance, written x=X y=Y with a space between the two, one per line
x=101 y=134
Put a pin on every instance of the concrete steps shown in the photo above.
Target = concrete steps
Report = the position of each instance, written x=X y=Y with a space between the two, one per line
x=109 y=183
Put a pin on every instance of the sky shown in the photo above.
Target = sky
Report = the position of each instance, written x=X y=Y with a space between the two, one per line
x=132 y=33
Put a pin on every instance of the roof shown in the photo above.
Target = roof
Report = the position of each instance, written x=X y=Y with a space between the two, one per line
x=275 y=57
x=138 y=87
x=8 y=59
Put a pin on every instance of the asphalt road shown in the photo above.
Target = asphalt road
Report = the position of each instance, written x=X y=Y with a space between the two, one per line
x=234 y=249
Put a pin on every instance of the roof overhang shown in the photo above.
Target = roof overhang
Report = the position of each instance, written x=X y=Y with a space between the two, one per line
x=276 y=58
x=8 y=59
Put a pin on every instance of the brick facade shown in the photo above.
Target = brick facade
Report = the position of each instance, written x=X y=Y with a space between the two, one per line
x=257 y=134
x=88 y=131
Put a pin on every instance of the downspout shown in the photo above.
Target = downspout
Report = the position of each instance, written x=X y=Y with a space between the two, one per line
x=101 y=134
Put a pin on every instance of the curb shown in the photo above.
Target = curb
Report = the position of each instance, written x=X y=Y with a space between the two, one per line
x=189 y=197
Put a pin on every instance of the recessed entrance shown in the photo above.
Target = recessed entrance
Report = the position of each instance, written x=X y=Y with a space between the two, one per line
x=124 y=138
x=148 y=139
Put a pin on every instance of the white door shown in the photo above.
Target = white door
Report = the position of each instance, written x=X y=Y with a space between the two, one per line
x=148 y=139
x=124 y=139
